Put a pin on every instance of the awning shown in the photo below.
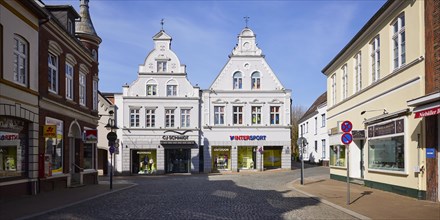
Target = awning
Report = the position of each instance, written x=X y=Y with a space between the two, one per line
x=427 y=110
x=426 y=105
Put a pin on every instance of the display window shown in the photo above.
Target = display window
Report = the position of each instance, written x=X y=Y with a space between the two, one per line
x=386 y=146
x=247 y=157
x=145 y=161
x=55 y=146
x=88 y=155
x=337 y=155
x=221 y=158
x=13 y=147
x=272 y=157
x=387 y=153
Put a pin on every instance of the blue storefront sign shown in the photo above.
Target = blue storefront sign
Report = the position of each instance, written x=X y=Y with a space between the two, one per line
x=430 y=153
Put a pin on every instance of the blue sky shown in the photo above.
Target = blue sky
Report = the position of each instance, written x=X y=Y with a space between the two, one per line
x=298 y=37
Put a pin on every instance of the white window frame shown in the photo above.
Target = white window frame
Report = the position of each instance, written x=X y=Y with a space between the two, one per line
x=185 y=116
x=358 y=72
x=344 y=81
x=21 y=60
x=219 y=115
x=161 y=66
x=323 y=143
x=323 y=120
x=53 y=73
x=274 y=112
x=398 y=41
x=316 y=125
x=375 y=58
x=82 y=89
x=333 y=85
x=150 y=118
x=172 y=90
x=69 y=81
x=256 y=114
x=256 y=81
x=134 y=117
x=95 y=94
x=151 y=89
x=237 y=80
x=170 y=118
x=237 y=113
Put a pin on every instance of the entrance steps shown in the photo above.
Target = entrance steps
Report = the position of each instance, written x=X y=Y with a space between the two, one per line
x=357 y=181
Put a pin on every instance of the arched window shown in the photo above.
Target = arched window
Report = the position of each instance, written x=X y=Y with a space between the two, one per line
x=95 y=55
x=256 y=79
x=151 y=88
x=238 y=80
x=172 y=88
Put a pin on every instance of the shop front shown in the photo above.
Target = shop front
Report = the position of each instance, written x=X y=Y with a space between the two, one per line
x=247 y=157
x=221 y=156
x=13 y=148
x=144 y=161
x=272 y=157
x=179 y=152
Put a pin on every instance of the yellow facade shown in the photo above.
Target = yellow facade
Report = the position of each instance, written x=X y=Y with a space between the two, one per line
x=391 y=92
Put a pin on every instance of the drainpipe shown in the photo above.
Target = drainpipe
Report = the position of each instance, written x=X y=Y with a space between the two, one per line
x=420 y=171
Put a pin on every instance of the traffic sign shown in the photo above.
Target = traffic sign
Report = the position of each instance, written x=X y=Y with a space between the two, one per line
x=346 y=126
x=112 y=136
x=346 y=138
x=111 y=149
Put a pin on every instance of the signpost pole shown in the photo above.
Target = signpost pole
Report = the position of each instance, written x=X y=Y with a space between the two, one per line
x=348 y=174
x=302 y=162
x=111 y=169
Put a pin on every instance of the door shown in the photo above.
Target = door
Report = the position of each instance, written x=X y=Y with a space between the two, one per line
x=177 y=160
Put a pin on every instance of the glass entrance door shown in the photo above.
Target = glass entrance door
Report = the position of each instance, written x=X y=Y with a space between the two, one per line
x=177 y=160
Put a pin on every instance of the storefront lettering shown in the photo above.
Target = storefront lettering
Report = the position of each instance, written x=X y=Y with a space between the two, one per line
x=247 y=137
x=393 y=127
x=221 y=149
x=175 y=137
x=8 y=137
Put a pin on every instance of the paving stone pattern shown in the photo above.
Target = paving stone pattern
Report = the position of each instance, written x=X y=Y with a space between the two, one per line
x=267 y=195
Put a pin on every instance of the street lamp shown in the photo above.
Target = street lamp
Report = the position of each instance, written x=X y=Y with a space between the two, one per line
x=111 y=137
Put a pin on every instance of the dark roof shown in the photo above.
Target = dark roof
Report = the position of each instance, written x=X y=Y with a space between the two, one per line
x=35 y=8
x=362 y=31
x=67 y=8
x=313 y=108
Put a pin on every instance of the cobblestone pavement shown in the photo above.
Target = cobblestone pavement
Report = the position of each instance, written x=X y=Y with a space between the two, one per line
x=265 y=195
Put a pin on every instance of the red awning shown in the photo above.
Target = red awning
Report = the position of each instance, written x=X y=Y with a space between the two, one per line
x=428 y=112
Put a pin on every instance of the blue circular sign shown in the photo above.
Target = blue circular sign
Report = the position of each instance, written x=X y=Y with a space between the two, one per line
x=346 y=126
x=112 y=149
x=346 y=138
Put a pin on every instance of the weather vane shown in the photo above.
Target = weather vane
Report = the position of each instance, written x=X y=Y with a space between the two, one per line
x=246 y=19
x=162 y=22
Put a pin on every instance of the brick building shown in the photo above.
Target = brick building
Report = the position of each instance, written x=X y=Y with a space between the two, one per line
x=68 y=79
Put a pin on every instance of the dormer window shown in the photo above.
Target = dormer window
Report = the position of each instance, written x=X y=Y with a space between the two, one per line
x=161 y=66
x=70 y=26
x=238 y=80
x=256 y=80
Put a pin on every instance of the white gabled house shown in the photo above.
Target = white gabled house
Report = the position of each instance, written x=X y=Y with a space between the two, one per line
x=159 y=116
x=246 y=114
x=312 y=126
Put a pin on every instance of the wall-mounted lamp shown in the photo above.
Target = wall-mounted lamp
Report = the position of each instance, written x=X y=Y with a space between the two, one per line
x=384 y=111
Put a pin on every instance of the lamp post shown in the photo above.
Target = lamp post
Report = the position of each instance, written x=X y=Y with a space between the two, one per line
x=111 y=137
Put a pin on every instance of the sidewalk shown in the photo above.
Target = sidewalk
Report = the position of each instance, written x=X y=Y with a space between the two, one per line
x=368 y=202
x=28 y=206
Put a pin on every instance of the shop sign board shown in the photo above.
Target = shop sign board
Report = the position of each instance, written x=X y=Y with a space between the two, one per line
x=175 y=137
x=7 y=136
x=50 y=131
x=247 y=137
x=428 y=112
x=430 y=153
x=91 y=136
x=393 y=127
x=358 y=134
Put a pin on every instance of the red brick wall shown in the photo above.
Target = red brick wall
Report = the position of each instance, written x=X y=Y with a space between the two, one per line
x=432 y=39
